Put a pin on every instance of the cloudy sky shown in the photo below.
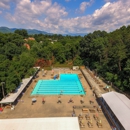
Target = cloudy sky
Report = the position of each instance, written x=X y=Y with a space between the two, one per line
x=65 y=16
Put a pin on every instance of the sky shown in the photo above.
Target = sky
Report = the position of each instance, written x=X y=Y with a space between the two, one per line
x=65 y=16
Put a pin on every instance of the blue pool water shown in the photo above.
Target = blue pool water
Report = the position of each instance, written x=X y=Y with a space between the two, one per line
x=67 y=84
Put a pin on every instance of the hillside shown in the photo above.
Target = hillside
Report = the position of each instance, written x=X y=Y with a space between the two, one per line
x=30 y=31
x=5 y=30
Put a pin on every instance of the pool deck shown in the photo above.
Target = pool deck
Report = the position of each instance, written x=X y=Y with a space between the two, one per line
x=25 y=109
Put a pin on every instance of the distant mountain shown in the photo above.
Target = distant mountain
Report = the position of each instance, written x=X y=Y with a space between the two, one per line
x=34 y=31
x=5 y=30
x=77 y=34
x=30 y=31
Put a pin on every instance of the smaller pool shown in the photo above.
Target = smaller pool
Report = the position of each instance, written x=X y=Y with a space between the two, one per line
x=67 y=84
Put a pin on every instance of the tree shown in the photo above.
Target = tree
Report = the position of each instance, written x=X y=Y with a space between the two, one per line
x=22 y=32
x=59 y=52
x=77 y=61
x=11 y=50
x=118 y=52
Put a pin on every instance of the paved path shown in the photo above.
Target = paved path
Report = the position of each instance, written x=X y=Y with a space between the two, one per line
x=90 y=80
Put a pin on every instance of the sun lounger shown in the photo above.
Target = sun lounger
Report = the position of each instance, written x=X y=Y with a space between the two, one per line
x=99 y=123
x=99 y=109
x=94 y=106
x=87 y=116
x=91 y=101
x=59 y=100
x=70 y=101
x=80 y=117
x=101 y=85
x=90 y=123
x=97 y=81
x=45 y=72
x=96 y=117
x=35 y=80
x=8 y=106
x=12 y=108
x=81 y=123
x=82 y=101
x=85 y=89
x=43 y=100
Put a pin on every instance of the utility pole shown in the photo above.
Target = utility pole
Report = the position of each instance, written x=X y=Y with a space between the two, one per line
x=2 y=83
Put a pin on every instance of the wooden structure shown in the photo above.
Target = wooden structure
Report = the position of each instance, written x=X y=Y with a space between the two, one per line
x=85 y=110
x=92 y=110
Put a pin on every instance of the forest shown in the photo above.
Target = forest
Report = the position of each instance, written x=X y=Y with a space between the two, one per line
x=107 y=54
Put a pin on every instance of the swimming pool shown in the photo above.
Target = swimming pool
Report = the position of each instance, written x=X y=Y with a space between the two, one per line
x=67 y=84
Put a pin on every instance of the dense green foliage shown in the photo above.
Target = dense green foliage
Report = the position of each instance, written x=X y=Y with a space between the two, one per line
x=109 y=55
x=16 y=61
x=106 y=53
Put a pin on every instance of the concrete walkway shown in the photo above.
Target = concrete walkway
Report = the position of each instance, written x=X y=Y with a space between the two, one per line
x=90 y=80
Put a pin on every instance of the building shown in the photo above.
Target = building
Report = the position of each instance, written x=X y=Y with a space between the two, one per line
x=12 y=98
x=55 y=123
x=117 y=108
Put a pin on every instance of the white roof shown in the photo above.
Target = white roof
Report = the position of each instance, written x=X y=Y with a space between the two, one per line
x=120 y=105
x=13 y=96
x=59 y=123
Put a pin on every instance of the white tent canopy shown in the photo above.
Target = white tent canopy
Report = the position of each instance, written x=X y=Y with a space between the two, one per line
x=59 y=123
x=120 y=105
